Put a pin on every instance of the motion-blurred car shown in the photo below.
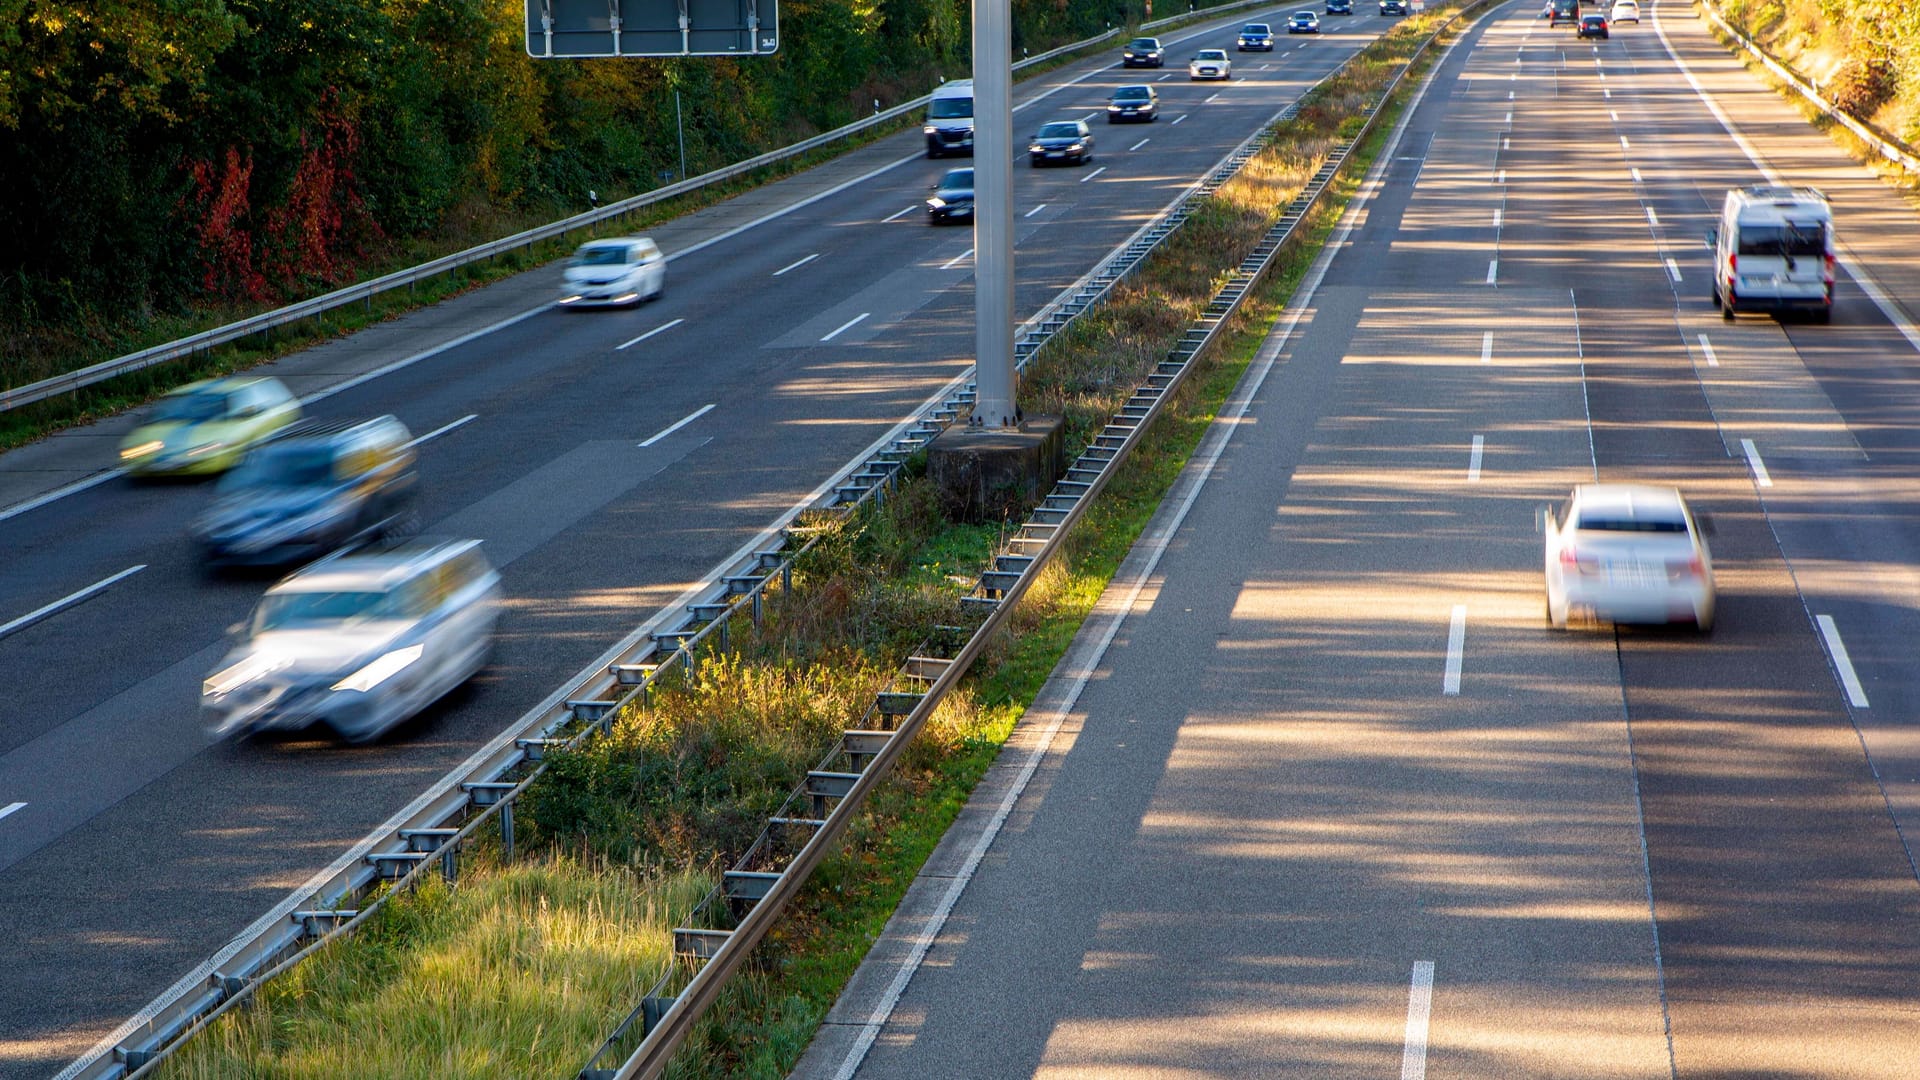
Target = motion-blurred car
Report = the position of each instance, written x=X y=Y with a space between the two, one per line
x=1143 y=52
x=206 y=426
x=1627 y=553
x=952 y=199
x=1624 y=11
x=1210 y=64
x=1129 y=103
x=313 y=489
x=1303 y=22
x=1594 y=26
x=1256 y=37
x=358 y=642
x=1339 y=7
x=625 y=270
x=1062 y=141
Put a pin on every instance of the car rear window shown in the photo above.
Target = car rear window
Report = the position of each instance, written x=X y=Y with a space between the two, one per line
x=1786 y=239
x=1615 y=521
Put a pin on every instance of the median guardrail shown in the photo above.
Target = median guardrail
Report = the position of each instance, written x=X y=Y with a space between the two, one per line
x=364 y=292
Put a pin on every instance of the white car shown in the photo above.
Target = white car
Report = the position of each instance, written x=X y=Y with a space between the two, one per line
x=1210 y=64
x=1627 y=553
x=358 y=642
x=1624 y=11
x=625 y=270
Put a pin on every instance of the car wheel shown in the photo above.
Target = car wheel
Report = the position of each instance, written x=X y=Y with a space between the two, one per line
x=1824 y=316
x=1726 y=311
x=1716 y=296
x=1556 y=617
x=1705 y=624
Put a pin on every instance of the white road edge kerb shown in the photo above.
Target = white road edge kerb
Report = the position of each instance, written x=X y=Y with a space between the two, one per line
x=445 y=785
x=1108 y=615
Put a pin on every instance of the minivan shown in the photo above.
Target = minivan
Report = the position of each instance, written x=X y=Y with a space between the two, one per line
x=949 y=126
x=1773 y=251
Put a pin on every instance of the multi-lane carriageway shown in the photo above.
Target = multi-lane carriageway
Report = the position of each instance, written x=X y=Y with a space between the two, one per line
x=609 y=459
x=1317 y=793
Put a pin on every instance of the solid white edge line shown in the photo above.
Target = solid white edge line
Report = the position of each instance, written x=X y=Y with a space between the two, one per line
x=950 y=264
x=853 y=322
x=11 y=807
x=1707 y=347
x=1486 y=347
x=683 y=422
x=899 y=214
x=1859 y=274
x=1093 y=174
x=1202 y=464
x=67 y=601
x=426 y=354
x=57 y=494
x=1413 y=1059
x=808 y=259
x=1456 y=650
x=444 y=428
x=1473 y=460
x=1760 y=475
x=1837 y=649
x=1035 y=210
x=661 y=329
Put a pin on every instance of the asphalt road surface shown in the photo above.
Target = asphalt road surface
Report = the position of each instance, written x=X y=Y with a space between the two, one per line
x=1334 y=801
x=132 y=848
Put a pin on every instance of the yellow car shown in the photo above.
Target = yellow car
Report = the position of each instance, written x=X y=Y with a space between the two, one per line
x=207 y=426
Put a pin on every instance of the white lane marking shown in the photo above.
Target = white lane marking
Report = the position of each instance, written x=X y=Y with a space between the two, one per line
x=1264 y=67
x=1607 y=93
x=1707 y=347
x=426 y=354
x=1035 y=210
x=1413 y=1060
x=57 y=494
x=1165 y=77
x=444 y=428
x=11 y=807
x=1652 y=218
x=899 y=214
x=950 y=264
x=1509 y=95
x=1456 y=650
x=1211 y=99
x=1673 y=270
x=1513 y=76
x=682 y=422
x=1509 y=119
x=1493 y=271
x=1177 y=119
x=68 y=601
x=1486 y=347
x=1473 y=460
x=1506 y=143
x=1760 y=476
x=1836 y=648
x=1093 y=174
x=662 y=328
x=1497 y=215
x=1636 y=175
x=1138 y=145
x=1089 y=117
x=1624 y=144
x=857 y=320
x=1501 y=179
x=808 y=259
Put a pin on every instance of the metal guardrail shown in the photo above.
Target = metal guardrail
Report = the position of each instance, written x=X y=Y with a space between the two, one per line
x=364 y=292
x=752 y=895
x=430 y=836
x=1898 y=153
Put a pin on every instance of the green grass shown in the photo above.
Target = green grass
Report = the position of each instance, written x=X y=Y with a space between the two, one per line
x=678 y=789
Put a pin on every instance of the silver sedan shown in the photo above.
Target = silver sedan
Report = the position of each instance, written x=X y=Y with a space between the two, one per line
x=1627 y=553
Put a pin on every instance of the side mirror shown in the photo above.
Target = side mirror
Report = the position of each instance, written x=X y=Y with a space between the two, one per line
x=1541 y=515
x=236 y=629
x=1713 y=238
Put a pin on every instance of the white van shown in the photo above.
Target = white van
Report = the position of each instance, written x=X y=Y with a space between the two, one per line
x=1773 y=251
x=949 y=127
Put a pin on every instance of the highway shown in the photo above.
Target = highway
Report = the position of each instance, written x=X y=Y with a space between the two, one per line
x=1317 y=793
x=609 y=459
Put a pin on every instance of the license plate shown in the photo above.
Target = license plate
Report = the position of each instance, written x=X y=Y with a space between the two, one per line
x=1636 y=573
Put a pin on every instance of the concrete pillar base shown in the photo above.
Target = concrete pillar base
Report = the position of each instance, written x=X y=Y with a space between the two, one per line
x=996 y=474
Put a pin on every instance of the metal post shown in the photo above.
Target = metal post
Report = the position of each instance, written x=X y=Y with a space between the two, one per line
x=993 y=213
x=506 y=830
x=681 y=129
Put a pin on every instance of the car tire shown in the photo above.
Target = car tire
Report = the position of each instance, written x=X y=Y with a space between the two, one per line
x=1726 y=311
x=1556 y=619
x=1824 y=315
x=1705 y=626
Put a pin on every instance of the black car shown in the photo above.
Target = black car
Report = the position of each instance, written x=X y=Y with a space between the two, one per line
x=1256 y=37
x=952 y=199
x=1393 y=7
x=309 y=491
x=1062 y=140
x=1142 y=52
x=1593 y=26
x=1133 y=103
x=1339 y=7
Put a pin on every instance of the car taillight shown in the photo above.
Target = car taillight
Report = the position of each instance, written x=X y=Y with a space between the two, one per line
x=1829 y=270
x=1733 y=265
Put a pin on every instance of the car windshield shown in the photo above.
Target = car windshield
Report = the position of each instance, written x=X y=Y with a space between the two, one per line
x=1142 y=45
x=192 y=408
x=1253 y=29
x=1132 y=93
x=290 y=466
x=1789 y=239
x=1060 y=131
x=1211 y=54
x=957 y=180
x=1622 y=521
x=316 y=610
x=1303 y=16
x=601 y=256
x=951 y=108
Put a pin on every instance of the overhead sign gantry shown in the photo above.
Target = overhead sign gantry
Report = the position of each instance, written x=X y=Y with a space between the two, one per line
x=595 y=28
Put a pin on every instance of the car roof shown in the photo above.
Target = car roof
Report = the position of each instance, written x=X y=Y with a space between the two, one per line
x=1631 y=499
x=367 y=570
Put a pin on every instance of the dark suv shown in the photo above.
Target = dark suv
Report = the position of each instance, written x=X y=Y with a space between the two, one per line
x=1339 y=7
x=1393 y=7
x=311 y=490
x=1142 y=52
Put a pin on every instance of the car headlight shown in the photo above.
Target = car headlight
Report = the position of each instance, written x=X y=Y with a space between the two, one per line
x=222 y=683
x=936 y=202
x=928 y=130
x=1076 y=148
x=152 y=446
x=382 y=669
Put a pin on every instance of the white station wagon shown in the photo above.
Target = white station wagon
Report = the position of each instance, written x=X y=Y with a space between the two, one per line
x=625 y=270
x=1628 y=553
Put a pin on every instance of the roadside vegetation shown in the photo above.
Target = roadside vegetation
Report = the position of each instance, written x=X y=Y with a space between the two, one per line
x=620 y=836
x=1863 y=57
